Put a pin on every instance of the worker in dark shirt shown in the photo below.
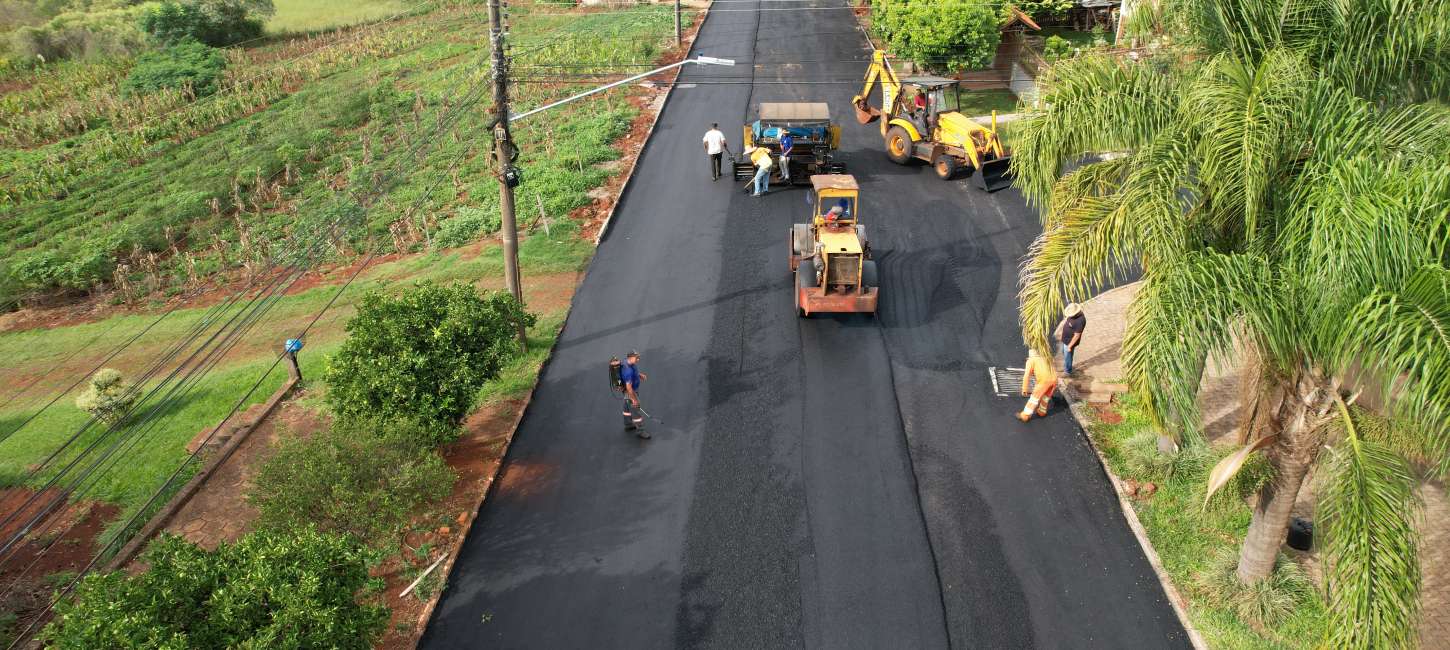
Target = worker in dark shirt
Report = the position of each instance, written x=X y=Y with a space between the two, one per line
x=1069 y=333
x=631 y=376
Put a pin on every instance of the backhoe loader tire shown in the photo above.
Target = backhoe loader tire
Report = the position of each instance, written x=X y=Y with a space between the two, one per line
x=861 y=235
x=870 y=277
x=945 y=166
x=898 y=145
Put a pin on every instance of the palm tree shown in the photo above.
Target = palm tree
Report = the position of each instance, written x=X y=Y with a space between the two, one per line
x=1289 y=197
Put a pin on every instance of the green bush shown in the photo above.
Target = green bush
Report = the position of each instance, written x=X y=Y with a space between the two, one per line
x=185 y=64
x=107 y=396
x=268 y=590
x=361 y=477
x=1056 y=48
x=214 y=22
x=424 y=355
x=466 y=226
x=80 y=34
x=1045 y=9
x=946 y=37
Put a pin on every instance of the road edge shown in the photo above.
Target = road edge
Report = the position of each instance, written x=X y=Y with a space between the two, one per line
x=425 y=616
x=1176 y=600
x=634 y=161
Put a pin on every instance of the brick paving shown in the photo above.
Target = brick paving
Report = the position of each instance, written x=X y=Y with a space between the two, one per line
x=219 y=511
x=1098 y=366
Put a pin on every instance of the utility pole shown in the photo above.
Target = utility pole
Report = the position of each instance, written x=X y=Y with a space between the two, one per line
x=678 y=40
x=508 y=176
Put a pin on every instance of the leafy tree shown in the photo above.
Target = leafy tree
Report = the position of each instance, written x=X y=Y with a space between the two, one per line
x=1284 y=192
x=268 y=590
x=424 y=355
x=107 y=396
x=950 y=36
x=360 y=477
x=1045 y=9
x=185 y=64
x=214 y=22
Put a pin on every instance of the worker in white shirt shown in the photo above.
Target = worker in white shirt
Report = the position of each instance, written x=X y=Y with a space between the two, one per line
x=715 y=145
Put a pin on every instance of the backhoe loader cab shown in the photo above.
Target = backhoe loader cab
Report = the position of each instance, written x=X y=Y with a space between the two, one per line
x=936 y=132
x=830 y=255
x=816 y=138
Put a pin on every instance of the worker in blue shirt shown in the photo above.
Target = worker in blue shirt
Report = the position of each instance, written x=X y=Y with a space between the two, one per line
x=786 y=142
x=631 y=376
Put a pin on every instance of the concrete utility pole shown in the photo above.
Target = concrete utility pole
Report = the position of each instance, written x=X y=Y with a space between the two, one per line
x=678 y=40
x=504 y=153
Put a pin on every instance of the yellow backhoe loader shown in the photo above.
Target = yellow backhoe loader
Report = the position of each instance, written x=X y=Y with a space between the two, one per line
x=917 y=123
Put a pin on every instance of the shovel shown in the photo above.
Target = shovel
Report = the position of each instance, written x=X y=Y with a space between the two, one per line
x=995 y=174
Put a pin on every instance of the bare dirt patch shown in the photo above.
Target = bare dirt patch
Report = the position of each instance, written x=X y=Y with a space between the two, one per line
x=49 y=554
x=1106 y=413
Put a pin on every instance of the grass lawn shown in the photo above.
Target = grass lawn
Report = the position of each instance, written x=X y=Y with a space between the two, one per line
x=1074 y=37
x=975 y=103
x=1192 y=539
x=312 y=15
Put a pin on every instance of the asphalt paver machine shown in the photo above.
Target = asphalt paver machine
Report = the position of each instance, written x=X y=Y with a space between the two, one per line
x=816 y=140
x=830 y=254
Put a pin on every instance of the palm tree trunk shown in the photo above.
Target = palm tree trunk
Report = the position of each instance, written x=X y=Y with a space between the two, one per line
x=1296 y=421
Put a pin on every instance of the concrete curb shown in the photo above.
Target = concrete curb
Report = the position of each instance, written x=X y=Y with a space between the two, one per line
x=634 y=161
x=1131 y=516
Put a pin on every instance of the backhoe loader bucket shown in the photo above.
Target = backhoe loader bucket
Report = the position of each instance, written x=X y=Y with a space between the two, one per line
x=995 y=174
x=865 y=112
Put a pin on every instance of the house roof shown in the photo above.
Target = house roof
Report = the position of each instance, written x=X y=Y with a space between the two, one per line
x=1016 y=16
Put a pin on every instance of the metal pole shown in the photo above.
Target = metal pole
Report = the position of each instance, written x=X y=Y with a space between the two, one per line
x=678 y=40
x=504 y=152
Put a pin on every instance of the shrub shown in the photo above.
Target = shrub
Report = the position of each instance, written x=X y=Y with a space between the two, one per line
x=268 y=590
x=107 y=396
x=424 y=355
x=80 y=34
x=1045 y=9
x=360 y=477
x=467 y=226
x=1056 y=48
x=938 y=36
x=214 y=22
x=186 y=64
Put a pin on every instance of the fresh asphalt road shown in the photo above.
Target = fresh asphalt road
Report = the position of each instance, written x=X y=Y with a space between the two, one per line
x=839 y=482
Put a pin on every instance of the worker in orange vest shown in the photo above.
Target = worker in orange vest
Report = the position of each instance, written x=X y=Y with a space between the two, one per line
x=1041 y=369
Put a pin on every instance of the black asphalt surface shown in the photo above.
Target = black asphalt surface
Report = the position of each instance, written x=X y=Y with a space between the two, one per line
x=837 y=482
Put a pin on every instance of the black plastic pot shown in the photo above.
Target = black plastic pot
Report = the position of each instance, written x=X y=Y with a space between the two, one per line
x=1301 y=534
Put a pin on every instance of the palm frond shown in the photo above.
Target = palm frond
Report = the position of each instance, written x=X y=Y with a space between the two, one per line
x=1092 y=104
x=1367 y=511
x=1186 y=313
x=1402 y=336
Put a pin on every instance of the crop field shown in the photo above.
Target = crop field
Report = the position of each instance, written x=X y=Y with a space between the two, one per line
x=104 y=191
x=309 y=15
x=145 y=199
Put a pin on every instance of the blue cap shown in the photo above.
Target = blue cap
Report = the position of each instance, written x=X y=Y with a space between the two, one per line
x=293 y=345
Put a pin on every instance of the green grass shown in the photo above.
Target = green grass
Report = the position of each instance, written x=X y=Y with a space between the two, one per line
x=312 y=15
x=1190 y=539
x=976 y=103
x=1074 y=37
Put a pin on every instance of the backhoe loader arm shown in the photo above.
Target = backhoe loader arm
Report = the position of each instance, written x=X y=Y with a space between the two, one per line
x=879 y=71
